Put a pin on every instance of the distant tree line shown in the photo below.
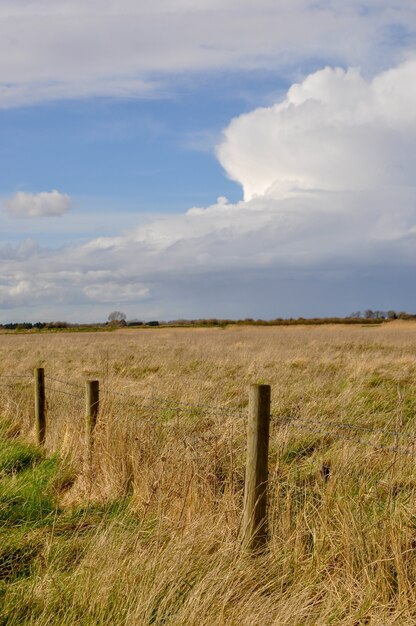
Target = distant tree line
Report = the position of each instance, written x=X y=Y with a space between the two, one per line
x=35 y=325
x=117 y=319
x=369 y=314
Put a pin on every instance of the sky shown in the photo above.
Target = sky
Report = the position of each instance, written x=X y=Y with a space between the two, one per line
x=195 y=158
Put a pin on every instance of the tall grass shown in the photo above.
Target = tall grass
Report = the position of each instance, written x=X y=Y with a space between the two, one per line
x=148 y=532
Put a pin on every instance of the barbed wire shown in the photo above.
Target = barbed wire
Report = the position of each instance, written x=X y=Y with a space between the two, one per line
x=362 y=442
x=158 y=412
x=158 y=404
x=16 y=376
x=185 y=412
x=63 y=382
x=178 y=404
x=12 y=386
x=167 y=403
x=347 y=426
x=163 y=403
x=67 y=393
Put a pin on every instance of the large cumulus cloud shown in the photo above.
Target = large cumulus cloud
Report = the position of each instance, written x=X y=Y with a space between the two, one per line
x=329 y=206
x=335 y=131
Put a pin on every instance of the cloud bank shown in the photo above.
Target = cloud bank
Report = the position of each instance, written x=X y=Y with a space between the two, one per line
x=43 y=204
x=51 y=50
x=329 y=210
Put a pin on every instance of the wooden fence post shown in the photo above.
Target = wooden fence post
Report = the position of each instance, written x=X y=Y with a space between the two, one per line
x=40 y=413
x=254 y=525
x=92 y=405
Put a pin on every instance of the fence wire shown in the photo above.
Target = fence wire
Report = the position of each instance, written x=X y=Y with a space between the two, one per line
x=64 y=382
x=155 y=402
x=158 y=407
x=347 y=426
x=177 y=405
x=13 y=386
x=66 y=393
x=310 y=428
x=14 y=376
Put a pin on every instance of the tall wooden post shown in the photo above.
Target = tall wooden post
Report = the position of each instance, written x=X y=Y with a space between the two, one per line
x=40 y=413
x=92 y=405
x=254 y=525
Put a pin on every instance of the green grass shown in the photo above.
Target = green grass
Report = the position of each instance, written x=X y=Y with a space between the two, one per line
x=27 y=505
x=26 y=486
x=16 y=457
x=38 y=536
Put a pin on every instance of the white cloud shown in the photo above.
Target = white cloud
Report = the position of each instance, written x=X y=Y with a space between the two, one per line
x=58 y=49
x=330 y=202
x=43 y=204
x=334 y=131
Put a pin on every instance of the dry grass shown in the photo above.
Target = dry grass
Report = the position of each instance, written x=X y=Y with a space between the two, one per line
x=149 y=533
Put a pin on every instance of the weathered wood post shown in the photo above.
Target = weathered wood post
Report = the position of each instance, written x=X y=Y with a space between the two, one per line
x=40 y=413
x=254 y=525
x=92 y=405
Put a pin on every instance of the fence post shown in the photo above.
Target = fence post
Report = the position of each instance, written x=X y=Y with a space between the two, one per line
x=92 y=405
x=254 y=524
x=40 y=413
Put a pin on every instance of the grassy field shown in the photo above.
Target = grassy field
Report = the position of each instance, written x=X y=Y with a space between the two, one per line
x=148 y=531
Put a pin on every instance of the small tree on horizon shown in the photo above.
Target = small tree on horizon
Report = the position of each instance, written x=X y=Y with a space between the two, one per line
x=117 y=317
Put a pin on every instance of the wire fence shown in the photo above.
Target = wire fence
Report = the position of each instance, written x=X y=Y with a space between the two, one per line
x=157 y=409
x=148 y=437
x=355 y=439
x=164 y=446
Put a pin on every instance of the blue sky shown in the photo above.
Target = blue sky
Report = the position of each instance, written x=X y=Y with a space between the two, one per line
x=129 y=157
x=121 y=124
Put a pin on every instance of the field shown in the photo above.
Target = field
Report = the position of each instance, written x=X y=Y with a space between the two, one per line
x=147 y=531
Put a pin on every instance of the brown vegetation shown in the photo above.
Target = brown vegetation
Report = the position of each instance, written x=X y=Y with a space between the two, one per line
x=149 y=532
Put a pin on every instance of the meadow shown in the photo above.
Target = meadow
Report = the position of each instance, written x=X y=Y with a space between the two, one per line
x=148 y=530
